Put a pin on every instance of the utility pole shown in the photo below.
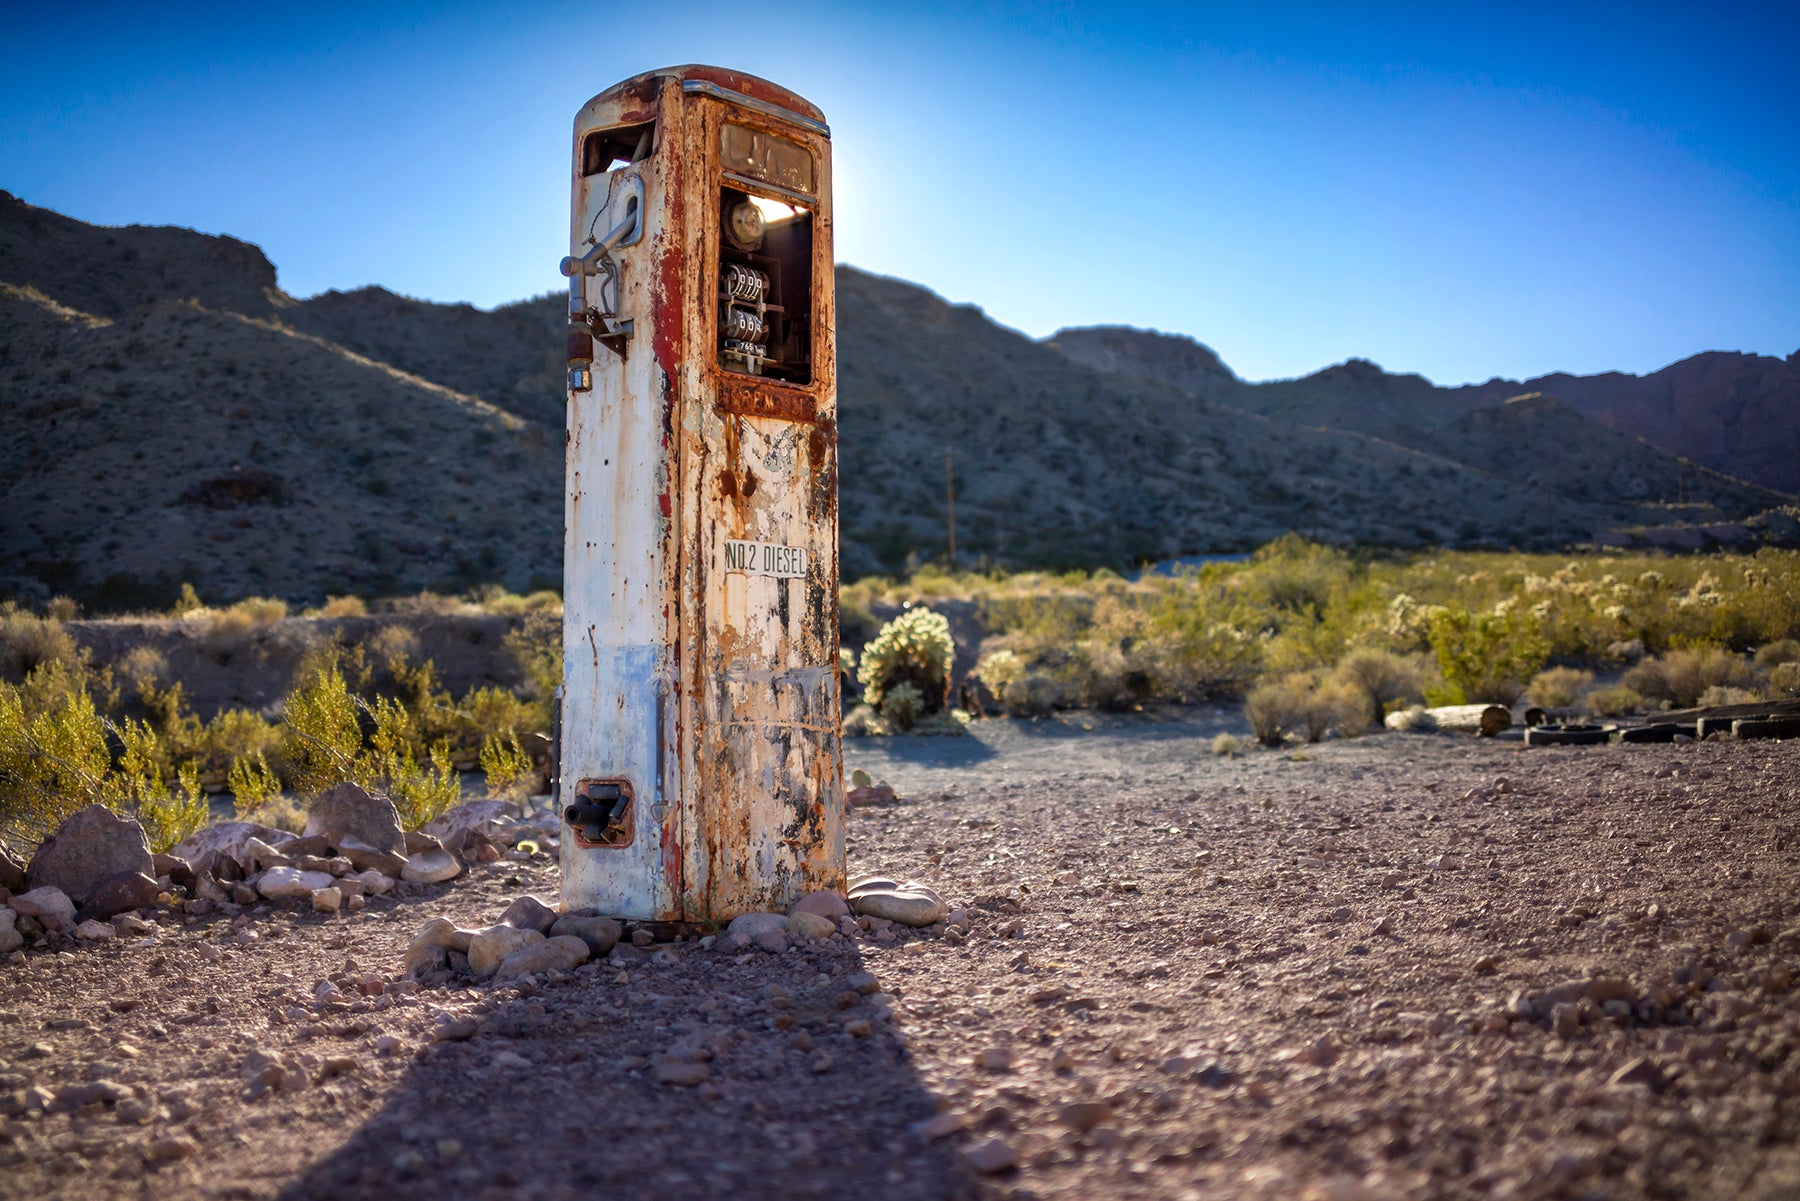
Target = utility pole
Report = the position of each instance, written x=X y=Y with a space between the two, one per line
x=950 y=503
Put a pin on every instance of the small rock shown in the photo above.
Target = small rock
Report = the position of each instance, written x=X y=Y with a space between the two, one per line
x=671 y=1070
x=170 y=1149
x=131 y=925
x=772 y=941
x=940 y=1125
x=388 y=1046
x=994 y=1059
x=509 y=1059
x=1085 y=1115
x=89 y=848
x=1641 y=1071
x=863 y=983
x=432 y=867
x=455 y=1030
x=489 y=947
x=1321 y=1053
x=991 y=1157
x=93 y=931
x=529 y=913
x=303 y=845
x=365 y=858
x=749 y=925
x=280 y=882
x=10 y=937
x=807 y=925
x=871 y=794
x=599 y=933
x=375 y=883
x=910 y=906
x=483 y=819
x=560 y=954
x=418 y=842
x=825 y=904
x=49 y=905
x=327 y=900
x=224 y=840
x=347 y=811
x=1565 y=1020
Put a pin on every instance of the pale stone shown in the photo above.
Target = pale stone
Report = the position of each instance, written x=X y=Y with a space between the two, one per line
x=563 y=953
x=328 y=900
x=489 y=947
x=365 y=858
x=280 y=882
x=10 y=938
x=810 y=926
x=93 y=931
x=749 y=925
x=50 y=905
x=599 y=933
x=826 y=904
x=907 y=908
x=375 y=883
x=431 y=867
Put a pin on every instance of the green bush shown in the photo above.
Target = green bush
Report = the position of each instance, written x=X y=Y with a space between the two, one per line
x=915 y=648
x=1485 y=656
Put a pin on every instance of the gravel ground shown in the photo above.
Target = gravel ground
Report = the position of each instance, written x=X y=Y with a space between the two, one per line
x=1399 y=966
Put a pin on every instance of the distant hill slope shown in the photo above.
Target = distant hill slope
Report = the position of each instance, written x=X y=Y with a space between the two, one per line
x=1735 y=414
x=168 y=413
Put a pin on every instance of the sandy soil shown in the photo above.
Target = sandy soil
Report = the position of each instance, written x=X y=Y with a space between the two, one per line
x=1400 y=966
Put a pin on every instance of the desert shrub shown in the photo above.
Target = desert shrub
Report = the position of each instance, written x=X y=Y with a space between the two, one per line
x=188 y=602
x=254 y=785
x=62 y=608
x=141 y=665
x=53 y=760
x=1784 y=680
x=915 y=648
x=170 y=815
x=1379 y=680
x=536 y=647
x=224 y=632
x=999 y=670
x=902 y=705
x=28 y=642
x=505 y=762
x=1724 y=694
x=498 y=601
x=1681 y=676
x=341 y=606
x=1485 y=656
x=1275 y=709
x=321 y=737
x=1227 y=746
x=420 y=792
x=1774 y=654
x=233 y=735
x=1557 y=687
x=1615 y=701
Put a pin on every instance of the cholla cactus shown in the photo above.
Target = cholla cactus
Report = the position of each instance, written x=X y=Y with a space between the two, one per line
x=915 y=648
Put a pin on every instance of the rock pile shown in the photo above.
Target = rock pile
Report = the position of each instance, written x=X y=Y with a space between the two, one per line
x=532 y=936
x=91 y=880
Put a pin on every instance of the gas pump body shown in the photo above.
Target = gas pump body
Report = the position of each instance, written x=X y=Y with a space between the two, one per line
x=700 y=769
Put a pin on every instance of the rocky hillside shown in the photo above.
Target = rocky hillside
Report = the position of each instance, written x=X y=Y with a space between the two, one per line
x=1731 y=414
x=169 y=414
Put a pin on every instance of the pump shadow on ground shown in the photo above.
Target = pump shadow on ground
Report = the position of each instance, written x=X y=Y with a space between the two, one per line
x=559 y=1093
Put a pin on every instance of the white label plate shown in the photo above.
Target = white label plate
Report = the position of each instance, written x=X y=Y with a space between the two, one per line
x=765 y=558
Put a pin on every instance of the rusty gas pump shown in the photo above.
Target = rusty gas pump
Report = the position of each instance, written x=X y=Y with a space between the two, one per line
x=700 y=767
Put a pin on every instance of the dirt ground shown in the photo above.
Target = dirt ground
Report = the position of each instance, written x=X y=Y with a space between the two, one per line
x=1398 y=966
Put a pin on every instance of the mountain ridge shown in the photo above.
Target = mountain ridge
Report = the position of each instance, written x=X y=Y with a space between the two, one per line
x=168 y=413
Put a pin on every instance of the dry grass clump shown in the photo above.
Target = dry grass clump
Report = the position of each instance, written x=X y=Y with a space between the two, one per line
x=1558 y=687
x=28 y=642
x=1681 y=677
x=341 y=606
x=1774 y=654
x=1615 y=701
x=1299 y=707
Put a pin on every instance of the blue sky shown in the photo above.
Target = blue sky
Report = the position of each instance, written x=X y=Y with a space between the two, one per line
x=1458 y=192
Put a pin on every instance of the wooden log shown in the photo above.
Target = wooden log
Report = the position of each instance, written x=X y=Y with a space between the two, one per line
x=1485 y=720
